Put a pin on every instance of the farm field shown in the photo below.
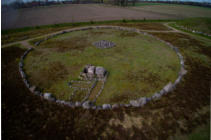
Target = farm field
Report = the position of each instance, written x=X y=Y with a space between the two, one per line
x=174 y=10
x=12 y=18
x=184 y=113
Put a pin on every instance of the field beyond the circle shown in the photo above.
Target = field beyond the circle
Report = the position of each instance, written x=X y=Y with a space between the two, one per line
x=138 y=65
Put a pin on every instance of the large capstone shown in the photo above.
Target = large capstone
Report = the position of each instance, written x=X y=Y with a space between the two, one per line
x=103 y=44
x=89 y=72
x=49 y=97
x=87 y=104
x=100 y=72
x=107 y=106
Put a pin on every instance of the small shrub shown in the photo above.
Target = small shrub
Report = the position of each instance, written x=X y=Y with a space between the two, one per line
x=124 y=20
x=92 y=22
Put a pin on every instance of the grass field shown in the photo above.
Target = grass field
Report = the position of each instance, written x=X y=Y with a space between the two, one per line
x=197 y=24
x=138 y=65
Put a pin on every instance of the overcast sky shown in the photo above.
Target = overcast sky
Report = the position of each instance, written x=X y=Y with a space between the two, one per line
x=9 y=1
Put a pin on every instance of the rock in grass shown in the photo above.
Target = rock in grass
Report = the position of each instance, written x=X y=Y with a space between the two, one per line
x=23 y=75
x=115 y=106
x=21 y=64
x=26 y=83
x=127 y=105
x=37 y=43
x=162 y=92
x=178 y=80
x=182 y=71
x=100 y=72
x=37 y=93
x=182 y=62
x=59 y=101
x=139 y=102
x=106 y=106
x=142 y=101
x=77 y=104
x=32 y=89
x=94 y=107
x=99 y=107
x=48 y=96
x=156 y=96
x=87 y=104
x=70 y=104
x=134 y=103
x=168 y=87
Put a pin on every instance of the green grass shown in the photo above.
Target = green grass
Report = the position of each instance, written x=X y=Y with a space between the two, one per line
x=138 y=65
x=197 y=24
x=200 y=133
x=147 y=4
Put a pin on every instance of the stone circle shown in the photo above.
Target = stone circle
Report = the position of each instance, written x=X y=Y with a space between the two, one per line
x=86 y=104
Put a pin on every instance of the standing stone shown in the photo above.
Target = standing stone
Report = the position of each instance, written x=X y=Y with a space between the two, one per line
x=178 y=80
x=87 y=104
x=134 y=103
x=48 y=96
x=77 y=104
x=127 y=105
x=94 y=107
x=162 y=92
x=115 y=106
x=168 y=87
x=23 y=75
x=106 y=106
x=142 y=101
x=32 y=88
x=37 y=93
x=21 y=64
x=182 y=71
x=156 y=96
x=99 y=107
x=100 y=72
x=91 y=70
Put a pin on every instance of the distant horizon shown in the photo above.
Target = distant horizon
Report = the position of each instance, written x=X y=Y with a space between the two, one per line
x=201 y=1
